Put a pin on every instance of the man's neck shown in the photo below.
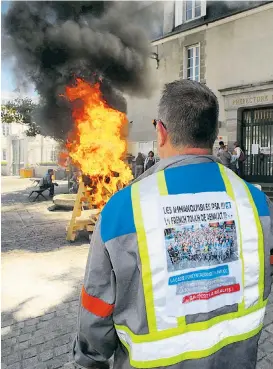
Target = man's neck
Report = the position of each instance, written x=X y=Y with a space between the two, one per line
x=195 y=151
x=187 y=151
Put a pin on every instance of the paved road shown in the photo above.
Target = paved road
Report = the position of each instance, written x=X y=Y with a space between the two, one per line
x=41 y=279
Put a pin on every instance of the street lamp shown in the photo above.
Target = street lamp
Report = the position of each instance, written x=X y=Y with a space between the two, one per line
x=155 y=57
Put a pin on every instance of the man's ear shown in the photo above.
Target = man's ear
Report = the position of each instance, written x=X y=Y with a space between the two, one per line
x=161 y=135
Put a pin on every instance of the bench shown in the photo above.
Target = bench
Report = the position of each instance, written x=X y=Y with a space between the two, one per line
x=39 y=191
x=35 y=181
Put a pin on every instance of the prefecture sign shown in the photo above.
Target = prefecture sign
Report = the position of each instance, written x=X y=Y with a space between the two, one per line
x=252 y=100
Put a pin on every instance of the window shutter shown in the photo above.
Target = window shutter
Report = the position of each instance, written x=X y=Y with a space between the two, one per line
x=203 y=8
x=178 y=13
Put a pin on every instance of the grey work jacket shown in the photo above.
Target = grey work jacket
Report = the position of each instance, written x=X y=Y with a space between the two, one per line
x=113 y=275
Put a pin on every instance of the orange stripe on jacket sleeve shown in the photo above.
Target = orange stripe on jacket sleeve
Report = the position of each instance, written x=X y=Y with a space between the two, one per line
x=95 y=305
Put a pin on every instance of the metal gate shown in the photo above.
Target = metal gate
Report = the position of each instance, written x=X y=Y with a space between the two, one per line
x=257 y=142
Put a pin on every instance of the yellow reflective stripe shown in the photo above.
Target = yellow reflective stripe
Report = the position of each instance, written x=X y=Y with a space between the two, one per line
x=260 y=243
x=161 y=182
x=226 y=180
x=181 y=321
x=163 y=191
x=199 y=326
x=144 y=257
x=230 y=193
x=192 y=354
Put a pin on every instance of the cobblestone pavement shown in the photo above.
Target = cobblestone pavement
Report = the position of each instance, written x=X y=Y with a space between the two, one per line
x=41 y=279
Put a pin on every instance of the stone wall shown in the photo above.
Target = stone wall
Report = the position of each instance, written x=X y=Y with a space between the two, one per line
x=238 y=54
x=172 y=66
x=233 y=52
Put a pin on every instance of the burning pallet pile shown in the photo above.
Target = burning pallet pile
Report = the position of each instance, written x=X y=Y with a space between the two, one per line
x=85 y=213
x=97 y=146
x=82 y=219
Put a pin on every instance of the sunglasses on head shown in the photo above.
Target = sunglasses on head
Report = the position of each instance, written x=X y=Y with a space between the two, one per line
x=155 y=121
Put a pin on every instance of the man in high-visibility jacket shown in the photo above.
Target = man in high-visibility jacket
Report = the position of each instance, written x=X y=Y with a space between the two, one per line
x=178 y=274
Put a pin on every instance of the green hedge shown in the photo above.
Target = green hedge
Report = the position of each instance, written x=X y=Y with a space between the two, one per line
x=4 y=163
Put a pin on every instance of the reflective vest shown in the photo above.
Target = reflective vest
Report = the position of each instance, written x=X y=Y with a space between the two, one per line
x=199 y=251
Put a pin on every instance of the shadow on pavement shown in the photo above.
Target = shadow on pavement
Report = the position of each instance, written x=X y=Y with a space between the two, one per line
x=43 y=341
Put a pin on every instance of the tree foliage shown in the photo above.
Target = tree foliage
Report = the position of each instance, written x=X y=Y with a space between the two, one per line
x=20 y=111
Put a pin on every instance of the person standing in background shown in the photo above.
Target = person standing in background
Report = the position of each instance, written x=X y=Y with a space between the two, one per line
x=139 y=165
x=149 y=161
x=239 y=157
x=75 y=181
x=221 y=148
x=225 y=156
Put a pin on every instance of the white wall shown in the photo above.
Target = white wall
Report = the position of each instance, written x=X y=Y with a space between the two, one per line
x=240 y=53
x=39 y=149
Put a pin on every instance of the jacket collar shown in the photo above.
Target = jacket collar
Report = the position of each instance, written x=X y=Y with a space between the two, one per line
x=176 y=161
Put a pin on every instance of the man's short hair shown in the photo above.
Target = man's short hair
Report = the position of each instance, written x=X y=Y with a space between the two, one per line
x=190 y=112
x=221 y=143
x=50 y=170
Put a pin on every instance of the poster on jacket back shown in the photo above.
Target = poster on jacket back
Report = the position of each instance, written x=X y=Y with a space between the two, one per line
x=201 y=237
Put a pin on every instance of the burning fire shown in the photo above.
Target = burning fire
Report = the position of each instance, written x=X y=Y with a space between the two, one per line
x=97 y=144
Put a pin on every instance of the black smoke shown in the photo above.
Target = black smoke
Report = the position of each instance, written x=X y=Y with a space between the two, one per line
x=55 y=41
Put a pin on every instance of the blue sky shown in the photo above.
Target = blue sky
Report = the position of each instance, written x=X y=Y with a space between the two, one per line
x=8 y=81
x=4 y=6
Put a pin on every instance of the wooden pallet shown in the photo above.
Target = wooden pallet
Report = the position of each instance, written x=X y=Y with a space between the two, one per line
x=81 y=219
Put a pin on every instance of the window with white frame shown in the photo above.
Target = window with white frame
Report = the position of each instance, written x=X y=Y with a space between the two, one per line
x=186 y=11
x=193 y=63
x=5 y=129
x=193 y=9
x=4 y=154
x=53 y=155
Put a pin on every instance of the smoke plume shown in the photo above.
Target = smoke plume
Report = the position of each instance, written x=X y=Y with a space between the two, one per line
x=55 y=41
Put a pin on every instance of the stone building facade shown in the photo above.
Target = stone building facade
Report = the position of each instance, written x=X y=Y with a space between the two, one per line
x=229 y=48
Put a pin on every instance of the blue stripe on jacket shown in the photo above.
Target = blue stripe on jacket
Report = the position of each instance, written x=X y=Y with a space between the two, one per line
x=117 y=217
x=194 y=178
x=259 y=199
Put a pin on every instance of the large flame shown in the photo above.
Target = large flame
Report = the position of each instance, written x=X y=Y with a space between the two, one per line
x=97 y=144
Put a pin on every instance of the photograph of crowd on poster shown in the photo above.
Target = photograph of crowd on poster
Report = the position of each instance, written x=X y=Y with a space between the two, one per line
x=200 y=245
